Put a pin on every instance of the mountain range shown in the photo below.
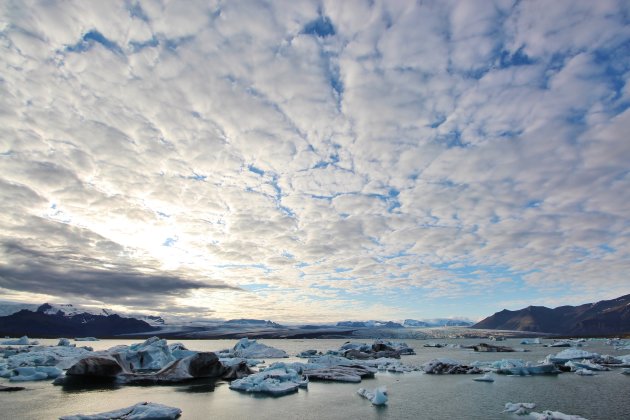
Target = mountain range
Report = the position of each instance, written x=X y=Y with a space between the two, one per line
x=606 y=317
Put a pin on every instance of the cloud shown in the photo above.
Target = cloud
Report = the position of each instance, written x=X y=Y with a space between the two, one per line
x=340 y=155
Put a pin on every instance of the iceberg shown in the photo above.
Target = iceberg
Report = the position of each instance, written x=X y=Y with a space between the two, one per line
x=86 y=339
x=625 y=371
x=140 y=411
x=521 y=368
x=585 y=365
x=152 y=354
x=554 y=415
x=199 y=365
x=64 y=342
x=251 y=349
x=528 y=341
x=519 y=408
x=307 y=353
x=584 y=372
x=376 y=397
x=277 y=380
x=37 y=373
x=485 y=378
x=23 y=341
x=61 y=357
x=448 y=366
x=570 y=354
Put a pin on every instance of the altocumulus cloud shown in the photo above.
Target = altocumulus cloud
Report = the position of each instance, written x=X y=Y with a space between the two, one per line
x=324 y=155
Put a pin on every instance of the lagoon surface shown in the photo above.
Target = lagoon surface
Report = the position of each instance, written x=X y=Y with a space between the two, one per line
x=411 y=395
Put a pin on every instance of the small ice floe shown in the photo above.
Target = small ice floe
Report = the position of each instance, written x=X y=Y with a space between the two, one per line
x=308 y=353
x=519 y=408
x=376 y=397
x=584 y=372
x=485 y=378
x=86 y=339
x=625 y=371
x=554 y=415
x=528 y=341
x=140 y=411
x=585 y=365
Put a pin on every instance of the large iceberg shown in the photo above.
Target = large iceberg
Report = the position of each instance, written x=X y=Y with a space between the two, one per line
x=140 y=411
x=153 y=354
x=522 y=368
x=251 y=349
x=448 y=366
x=34 y=373
x=278 y=379
x=22 y=341
x=570 y=354
x=60 y=356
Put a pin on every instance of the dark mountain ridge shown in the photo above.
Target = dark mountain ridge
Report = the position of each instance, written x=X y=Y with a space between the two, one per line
x=41 y=324
x=605 y=317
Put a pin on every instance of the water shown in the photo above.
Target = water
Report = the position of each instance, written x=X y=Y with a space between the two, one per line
x=411 y=395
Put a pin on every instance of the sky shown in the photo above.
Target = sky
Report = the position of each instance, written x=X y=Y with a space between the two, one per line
x=314 y=160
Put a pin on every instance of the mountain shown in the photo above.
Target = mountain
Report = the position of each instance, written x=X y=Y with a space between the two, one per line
x=369 y=324
x=50 y=321
x=600 y=318
x=437 y=322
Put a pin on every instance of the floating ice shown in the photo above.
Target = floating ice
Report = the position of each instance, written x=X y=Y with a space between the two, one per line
x=62 y=357
x=448 y=366
x=278 y=379
x=585 y=365
x=519 y=408
x=522 y=368
x=554 y=415
x=37 y=373
x=86 y=339
x=584 y=372
x=570 y=354
x=64 y=342
x=251 y=349
x=152 y=354
x=376 y=397
x=485 y=378
x=140 y=411
x=22 y=341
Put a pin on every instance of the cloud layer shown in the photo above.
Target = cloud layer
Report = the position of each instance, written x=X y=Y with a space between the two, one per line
x=309 y=160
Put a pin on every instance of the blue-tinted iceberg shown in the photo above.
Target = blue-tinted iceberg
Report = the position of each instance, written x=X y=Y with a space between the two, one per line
x=278 y=379
x=34 y=373
x=570 y=354
x=22 y=341
x=519 y=408
x=522 y=368
x=377 y=397
x=140 y=411
x=251 y=349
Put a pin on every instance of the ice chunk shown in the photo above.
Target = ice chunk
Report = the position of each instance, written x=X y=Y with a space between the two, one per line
x=62 y=357
x=585 y=365
x=448 y=366
x=64 y=342
x=152 y=354
x=570 y=354
x=37 y=373
x=522 y=368
x=519 y=408
x=23 y=341
x=140 y=411
x=554 y=415
x=584 y=372
x=251 y=349
x=485 y=378
x=279 y=379
x=376 y=397
x=86 y=339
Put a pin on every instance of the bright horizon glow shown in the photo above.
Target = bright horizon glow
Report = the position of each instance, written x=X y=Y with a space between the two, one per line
x=315 y=161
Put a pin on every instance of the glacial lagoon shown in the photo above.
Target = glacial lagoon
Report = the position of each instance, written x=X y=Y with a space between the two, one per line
x=412 y=395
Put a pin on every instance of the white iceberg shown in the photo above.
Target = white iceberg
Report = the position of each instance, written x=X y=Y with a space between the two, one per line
x=570 y=354
x=152 y=354
x=59 y=356
x=140 y=411
x=528 y=341
x=554 y=415
x=519 y=408
x=64 y=342
x=585 y=365
x=278 y=379
x=22 y=341
x=34 y=373
x=485 y=378
x=251 y=349
x=376 y=397
x=584 y=372
x=522 y=368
